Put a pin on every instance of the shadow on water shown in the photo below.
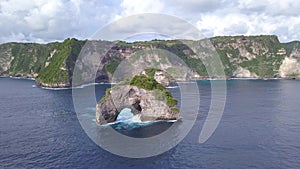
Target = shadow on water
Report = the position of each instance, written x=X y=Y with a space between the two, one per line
x=141 y=130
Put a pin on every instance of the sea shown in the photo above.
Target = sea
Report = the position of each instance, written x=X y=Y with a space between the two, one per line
x=258 y=128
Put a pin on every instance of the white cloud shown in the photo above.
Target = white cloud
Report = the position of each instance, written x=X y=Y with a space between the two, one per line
x=285 y=8
x=253 y=18
x=131 y=7
x=50 y=20
x=235 y=24
x=213 y=25
x=252 y=4
x=271 y=7
x=155 y=24
x=44 y=20
x=195 y=6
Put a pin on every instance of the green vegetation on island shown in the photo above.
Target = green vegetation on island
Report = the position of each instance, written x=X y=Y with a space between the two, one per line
x=147 y=83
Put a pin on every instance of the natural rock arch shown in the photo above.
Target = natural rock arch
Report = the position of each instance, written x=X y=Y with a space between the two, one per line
x=139 y=100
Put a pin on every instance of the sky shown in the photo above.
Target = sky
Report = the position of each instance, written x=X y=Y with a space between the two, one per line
x=45 y=21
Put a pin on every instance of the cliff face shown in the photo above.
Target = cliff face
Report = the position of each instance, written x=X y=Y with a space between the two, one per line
x=6 y=57
x=141 y=102
x=254 y=56
x=142 y=94
x=290 y=67
x=23 y=59
x=52 y=64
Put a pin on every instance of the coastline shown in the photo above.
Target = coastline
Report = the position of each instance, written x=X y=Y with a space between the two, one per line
x=105 y=83
x=17 y=77
x=77 y=87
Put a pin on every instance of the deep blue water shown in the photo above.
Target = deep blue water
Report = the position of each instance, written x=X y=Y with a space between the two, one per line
x=260 y=128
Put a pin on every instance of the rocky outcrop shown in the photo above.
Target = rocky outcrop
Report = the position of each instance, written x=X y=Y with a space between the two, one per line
x=52 y=85
x=141 y=102
x=160 y=76
x=5 y=58
x=290 y=68
x=243 y=73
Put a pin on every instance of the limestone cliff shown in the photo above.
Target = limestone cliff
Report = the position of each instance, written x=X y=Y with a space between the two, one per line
x=52 y=64
x=290 y=67
x=143 y=95
x=160 y=76
x=243 y=73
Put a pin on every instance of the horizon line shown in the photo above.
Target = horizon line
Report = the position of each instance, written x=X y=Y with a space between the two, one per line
x=146 y=40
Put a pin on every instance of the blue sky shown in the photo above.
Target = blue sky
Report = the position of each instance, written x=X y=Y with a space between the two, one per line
x=51 y=20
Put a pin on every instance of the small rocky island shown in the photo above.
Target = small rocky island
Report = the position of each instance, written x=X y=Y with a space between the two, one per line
x=144 y=95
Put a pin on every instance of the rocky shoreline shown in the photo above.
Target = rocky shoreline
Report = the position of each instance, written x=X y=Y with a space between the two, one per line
x=52 y=85
x=67 y=85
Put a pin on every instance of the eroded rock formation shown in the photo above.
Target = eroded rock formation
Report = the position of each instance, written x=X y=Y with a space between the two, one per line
x=141 y=102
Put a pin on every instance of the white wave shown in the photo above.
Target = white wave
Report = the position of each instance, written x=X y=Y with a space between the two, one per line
x=136 y=119
x=272 y=78
x=92 y=84
x=108 y=124
x=25 y=78
x=185 y=82
x=13 y=77
x=244 y=78
x=92 y=109
x=63 y=88
x=172 y=87
x=171 y=121
x=77 y=87
x=254 y=78
x=86 y=85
